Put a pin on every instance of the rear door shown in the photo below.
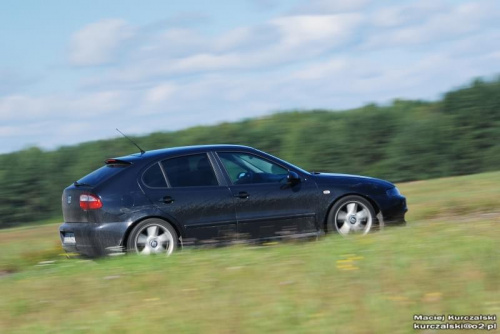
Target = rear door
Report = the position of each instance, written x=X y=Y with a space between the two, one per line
x=189 y=189
x=266 y=205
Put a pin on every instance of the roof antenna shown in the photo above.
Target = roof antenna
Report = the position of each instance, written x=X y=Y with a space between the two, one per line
x=133 y=142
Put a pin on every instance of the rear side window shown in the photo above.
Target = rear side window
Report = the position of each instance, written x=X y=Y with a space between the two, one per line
x=190 y=171
x=153 y=177
x=102 y=174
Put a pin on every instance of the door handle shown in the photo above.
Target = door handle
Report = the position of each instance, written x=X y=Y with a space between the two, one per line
x=242 y=194
x=167 y=199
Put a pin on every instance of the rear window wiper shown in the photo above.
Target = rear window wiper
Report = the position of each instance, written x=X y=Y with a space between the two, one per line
x=80 y=184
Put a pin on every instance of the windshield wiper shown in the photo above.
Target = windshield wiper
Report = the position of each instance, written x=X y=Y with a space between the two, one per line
x=80 y=184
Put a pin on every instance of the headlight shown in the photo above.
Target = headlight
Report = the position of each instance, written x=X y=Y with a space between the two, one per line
x=393 y=192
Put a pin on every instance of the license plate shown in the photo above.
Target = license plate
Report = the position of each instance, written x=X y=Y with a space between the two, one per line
x=69 y=238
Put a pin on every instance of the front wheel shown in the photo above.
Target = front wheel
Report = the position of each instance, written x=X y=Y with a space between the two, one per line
x=153 y=236
x=351 y=215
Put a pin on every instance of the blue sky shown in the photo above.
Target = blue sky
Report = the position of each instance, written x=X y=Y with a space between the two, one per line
x=73 y=71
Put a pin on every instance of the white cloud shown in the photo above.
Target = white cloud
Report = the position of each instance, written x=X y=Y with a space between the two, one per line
x=19 y=107
x=407 y=13
x=246 y=39
x=97 y=43
x=27 y=108
x=316 y=30
x=418 y=24
x=160 y=93
x=321 y=70
x=171 y=43
x=279 y=41
x=322 y=7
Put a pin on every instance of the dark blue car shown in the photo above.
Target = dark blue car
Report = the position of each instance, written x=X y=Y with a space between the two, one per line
x=158 y=201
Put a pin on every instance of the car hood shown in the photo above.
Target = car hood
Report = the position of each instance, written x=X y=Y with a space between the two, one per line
x=349 y=179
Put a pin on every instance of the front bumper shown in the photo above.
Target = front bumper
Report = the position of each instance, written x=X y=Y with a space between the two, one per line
x=94 y=240
x=394 y=212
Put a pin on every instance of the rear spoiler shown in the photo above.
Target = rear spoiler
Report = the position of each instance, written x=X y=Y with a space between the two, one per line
x=117 y=162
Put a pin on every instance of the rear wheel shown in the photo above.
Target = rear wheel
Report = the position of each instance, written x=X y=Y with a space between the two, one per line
x=153 y=236
x=351 y=215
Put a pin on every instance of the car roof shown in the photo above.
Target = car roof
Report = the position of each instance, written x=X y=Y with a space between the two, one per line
x=172 y=151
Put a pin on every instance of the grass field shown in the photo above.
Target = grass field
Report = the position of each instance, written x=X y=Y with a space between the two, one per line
x=446 y=261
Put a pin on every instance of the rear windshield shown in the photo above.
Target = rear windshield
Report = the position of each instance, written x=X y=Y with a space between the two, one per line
x=102 y=174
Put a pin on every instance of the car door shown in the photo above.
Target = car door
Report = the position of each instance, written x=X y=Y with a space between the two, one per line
x=188 y=189
x=267 y=206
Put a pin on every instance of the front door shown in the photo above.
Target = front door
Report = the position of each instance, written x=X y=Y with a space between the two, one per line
x=266 y=205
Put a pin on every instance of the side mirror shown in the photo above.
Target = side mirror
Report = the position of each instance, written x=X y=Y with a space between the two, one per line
x=292 y=177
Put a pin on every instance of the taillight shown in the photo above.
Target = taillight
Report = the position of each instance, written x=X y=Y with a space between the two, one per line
x=90 y=202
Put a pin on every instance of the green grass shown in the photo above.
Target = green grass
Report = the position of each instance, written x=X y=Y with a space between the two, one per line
x=23 y=247
x=453 y=196
x=445 y=261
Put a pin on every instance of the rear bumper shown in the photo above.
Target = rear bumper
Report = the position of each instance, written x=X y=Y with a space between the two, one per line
x=94 y=240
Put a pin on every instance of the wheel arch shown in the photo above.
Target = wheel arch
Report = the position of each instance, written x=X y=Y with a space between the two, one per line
x=134 y=224
x=330 y=206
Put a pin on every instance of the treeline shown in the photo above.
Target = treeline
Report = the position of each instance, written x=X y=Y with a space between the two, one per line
x=406 y=140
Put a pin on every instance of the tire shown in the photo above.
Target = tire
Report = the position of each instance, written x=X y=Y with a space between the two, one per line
x=153 y=236
x=351 y=215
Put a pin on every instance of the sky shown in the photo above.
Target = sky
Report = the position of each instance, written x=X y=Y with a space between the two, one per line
x=73 y=71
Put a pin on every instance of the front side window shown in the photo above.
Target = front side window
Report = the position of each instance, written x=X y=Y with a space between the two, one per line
x=244 y=168
x=190 y=171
